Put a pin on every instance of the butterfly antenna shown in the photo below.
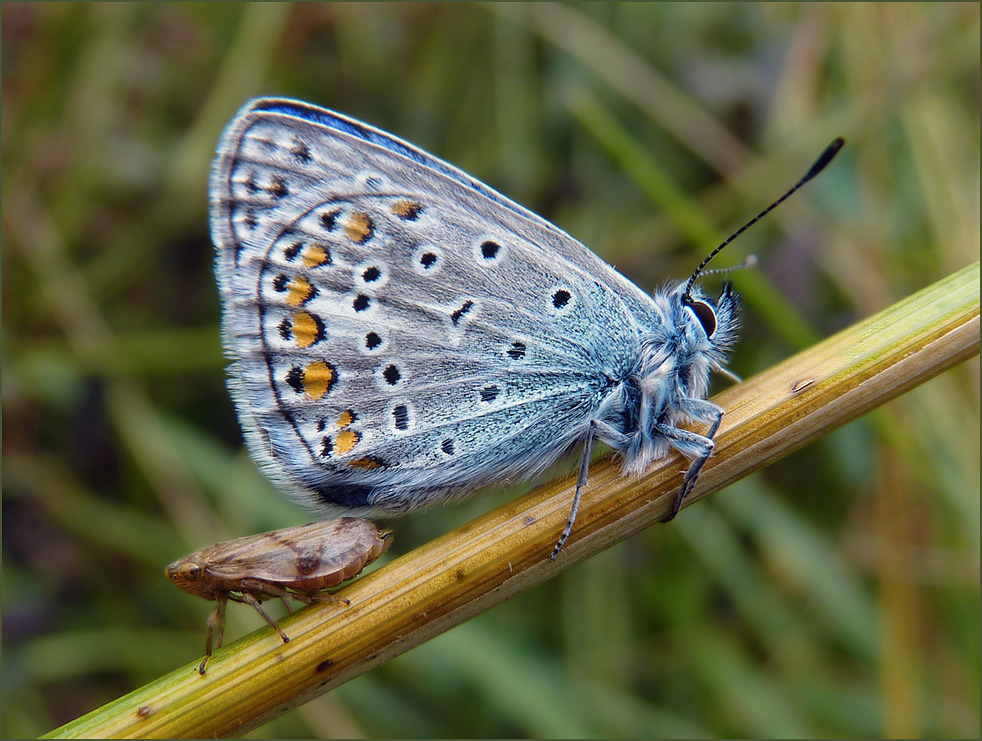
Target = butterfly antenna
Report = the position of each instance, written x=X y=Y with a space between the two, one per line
x=748 y=262
x=830 y=151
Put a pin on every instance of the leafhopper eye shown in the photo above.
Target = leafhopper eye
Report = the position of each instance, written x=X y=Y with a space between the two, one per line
x=190 y=571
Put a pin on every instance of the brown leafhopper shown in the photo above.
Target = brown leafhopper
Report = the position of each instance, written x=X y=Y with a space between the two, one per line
x=292 y=563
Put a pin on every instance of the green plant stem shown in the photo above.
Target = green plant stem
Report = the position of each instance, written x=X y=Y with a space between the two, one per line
x=473 y=568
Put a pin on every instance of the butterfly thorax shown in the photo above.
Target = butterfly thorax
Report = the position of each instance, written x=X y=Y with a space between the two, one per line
x=670 y=380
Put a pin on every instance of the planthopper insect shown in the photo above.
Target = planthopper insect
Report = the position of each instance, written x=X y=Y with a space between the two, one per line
x=292 y=563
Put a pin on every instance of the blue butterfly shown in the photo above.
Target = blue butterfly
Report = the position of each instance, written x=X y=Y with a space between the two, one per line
x=400 y=333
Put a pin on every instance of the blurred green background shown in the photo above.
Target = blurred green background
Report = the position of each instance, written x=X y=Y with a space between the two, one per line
x=833 y=594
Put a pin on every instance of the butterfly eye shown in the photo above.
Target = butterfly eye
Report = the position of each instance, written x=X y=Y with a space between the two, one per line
x=706 y=316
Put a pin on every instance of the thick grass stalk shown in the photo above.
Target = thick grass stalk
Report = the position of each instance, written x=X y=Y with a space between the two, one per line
x=473 y=568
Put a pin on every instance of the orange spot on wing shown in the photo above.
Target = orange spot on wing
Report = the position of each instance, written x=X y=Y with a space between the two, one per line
x=318 y=378
x=306 y=329
x=298 y=291
x=316 y=255
x=345 y=441
x=359 y=228
x=367 y=463
x=346 y=418
x=406 y=209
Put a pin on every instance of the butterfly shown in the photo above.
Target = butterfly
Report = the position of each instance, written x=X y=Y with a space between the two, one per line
x=401 y=333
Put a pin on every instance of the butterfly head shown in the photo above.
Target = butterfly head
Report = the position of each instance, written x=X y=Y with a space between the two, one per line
x=711 y=323
x=707 y=326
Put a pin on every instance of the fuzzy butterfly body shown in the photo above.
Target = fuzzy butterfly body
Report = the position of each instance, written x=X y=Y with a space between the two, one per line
x=401 y=334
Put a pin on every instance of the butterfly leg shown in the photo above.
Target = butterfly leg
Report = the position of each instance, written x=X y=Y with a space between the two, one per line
x=700 y=446
x=580 y=484
x=217 y=619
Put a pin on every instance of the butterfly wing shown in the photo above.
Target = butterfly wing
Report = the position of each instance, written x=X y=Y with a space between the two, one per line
x=398 y=331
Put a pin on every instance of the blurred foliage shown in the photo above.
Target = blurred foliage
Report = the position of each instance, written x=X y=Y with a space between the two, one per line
x=834 y=594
